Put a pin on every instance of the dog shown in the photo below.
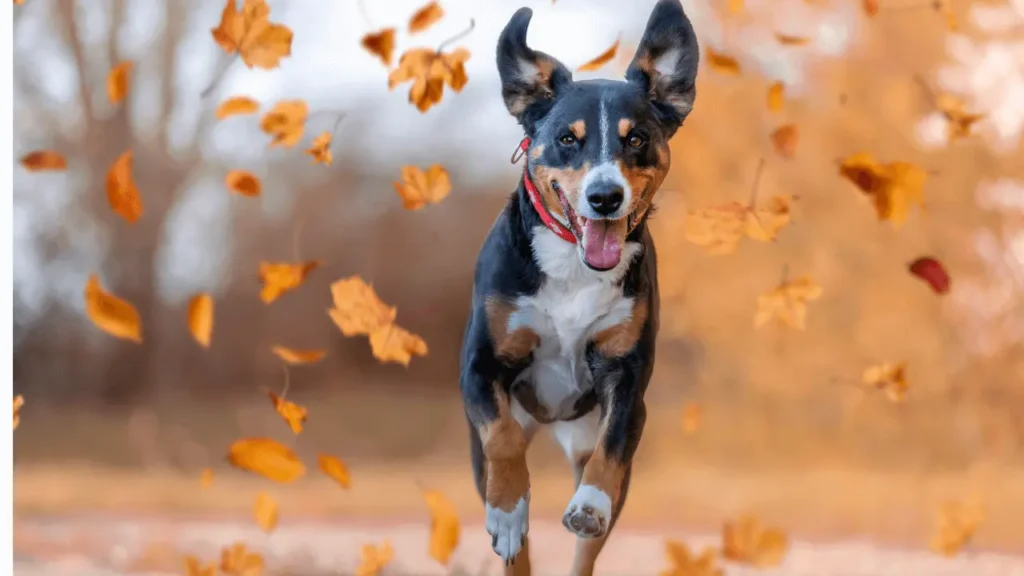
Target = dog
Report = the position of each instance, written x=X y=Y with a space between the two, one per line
x=565 y=298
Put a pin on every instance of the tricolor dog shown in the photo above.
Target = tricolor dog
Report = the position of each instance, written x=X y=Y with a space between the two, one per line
x=565 y=300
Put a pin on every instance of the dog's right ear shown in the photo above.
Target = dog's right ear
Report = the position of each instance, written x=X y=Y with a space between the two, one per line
x=530 y=80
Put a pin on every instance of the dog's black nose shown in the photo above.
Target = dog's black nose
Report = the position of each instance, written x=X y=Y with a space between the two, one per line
x=604 y=197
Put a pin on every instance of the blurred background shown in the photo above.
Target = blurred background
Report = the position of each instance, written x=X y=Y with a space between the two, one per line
x=787 y=432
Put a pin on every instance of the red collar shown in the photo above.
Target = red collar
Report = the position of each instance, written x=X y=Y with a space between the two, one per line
x=560 y=230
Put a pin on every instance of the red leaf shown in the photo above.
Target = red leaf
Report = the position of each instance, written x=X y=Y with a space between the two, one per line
x=931 y=271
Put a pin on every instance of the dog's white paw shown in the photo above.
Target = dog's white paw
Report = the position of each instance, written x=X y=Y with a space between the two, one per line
x=589 y=512
x=508 y=529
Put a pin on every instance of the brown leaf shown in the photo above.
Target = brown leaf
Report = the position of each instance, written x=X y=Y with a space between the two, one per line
x=357 y=308
x=444 y=526
x=787 y=303
x=788 y=40
x=395 y=344
x=236 y=560
x=776 y=97
x=200 y=318
x=374 y=559
x=958 y=122
x=321 y=149
x=889 y=377
x=122 y=194
x=601 y=59
x=784 y=140
x=194 y=568
x=267 y=458
x=281 y=277
x=41 y=160
x=206 y=478
x=893 y=187
x=931 y=271
x=19 y=401
x=722 y=63
x=381 y=44
x=691 y=417
x=425 y=17
x=236 y=106
x=285 y=122
x=335 y=468
x=748 y=542
x=419 y=188
x=250 y=33
x=683 y=563
x=429 y=71
x=293 y=356
x=293 y=414
x=118 y=81
x=111 y=314
x=264 y=509
x=244 y=183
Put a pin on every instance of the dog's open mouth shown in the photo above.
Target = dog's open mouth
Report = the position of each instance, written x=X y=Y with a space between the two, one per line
x=601 y=239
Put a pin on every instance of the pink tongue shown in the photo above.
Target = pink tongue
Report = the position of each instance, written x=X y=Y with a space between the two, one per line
x=602 y=246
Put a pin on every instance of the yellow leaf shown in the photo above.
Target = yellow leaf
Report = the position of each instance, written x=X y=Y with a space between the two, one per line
x=200 y=318
x=335 y=468
x=444 y=526
x=19 y=401
x=763 y=221
x=250 y=33
x=784 y=140
x=381 y=44
x=206 y=478
x=719 y=229
x=236 y=560
x=236 y=106
x=321 y=149
x=958 y=122
x=281 y=277
x=374 y=559
x=111 y=314
x=683 y=563
x=956 y=525
x=788 y=40
x=748 y=542
x=425 y=17
x=118 y=81
x=601 y=59
x=691 y=417
x=892 y=378
x=122 y=194
x=419 y=188
x=194 y=568
x=285 y=122
x=293 y=414
x=264 y=509
x=776 y=96
x=723 y=63
x=893 y=187
x=267 y=458
x=429 y=71
x=41 y=160
x=395 y=344
x=736 y=6
x=293 y=356
x=787 y=303
x=243 y=182
x=357 y=308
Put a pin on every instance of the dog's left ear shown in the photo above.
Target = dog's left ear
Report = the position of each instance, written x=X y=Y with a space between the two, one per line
x=665 y=63
x=530 y=79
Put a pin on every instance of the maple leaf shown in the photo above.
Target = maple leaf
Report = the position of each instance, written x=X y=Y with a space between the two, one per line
x=395 y=344
x=601 y=59
x=381 y=44
x=931 y=271
x=723 y=63
x=293 y=414
x=425 y=17
x=429 y=70
x=335 y=469
x=958 y=122
x=122 y=193
x=293 y=356
x=775 y=97
x=267 y=458
x=243 y=182
x=787 y=40
x=719 y=229
x=19 y=401
x=281 y=277
x=111 y=314
x=118 y=81
x=358 y=311
x=893 y=187
x=200 y=318
x=43 y=160
x=691 y=417
x=787 y=303
x=374 y=559
x=956 y=525
x=444 y=526
x=236 y=106
x=748 y=542
x=264 y=509
x=784 y=140
x=237 y=560
x=250 y=33
x=419 y=188
x=286 y=122
x=321 y=149
x=683 y=563
x=194 y=568
x=206 y=478
x=890 y=377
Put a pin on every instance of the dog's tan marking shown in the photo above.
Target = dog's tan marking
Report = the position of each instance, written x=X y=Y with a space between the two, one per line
x=579 y=129
x=504 y=446
x=514 y=345
x=618 y=340
x=625 y=125
x=537 y=151
x=605 y=474
x=540 y=84
x=568 y=179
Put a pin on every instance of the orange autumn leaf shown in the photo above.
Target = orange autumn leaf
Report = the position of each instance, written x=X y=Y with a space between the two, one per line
x=281 y=277
x=722 y=63
x=691 y=417
x=111 y=314
x=250 y=33
x=237 y=106
x=419 y=188
x=320 y=150
x=601 y=59
x=357 y=308
x=373 y=559
x=335 y=469
x=787 y=40
x=748 y=542
x=200 y=318
x=429 y=71
x=736 y=6
x=264 y=510
x=267 y=458
x=787 y=303
x=719 y=229
x=444 y=526
x=784 y=140
x=682 y=562
x=237 y=560
x=285 y=122
x=892 y=187
x=776 y=96
x=425 y=17
x=395 y=344
x=243 y=182
x=19 y=401
x=293 y=414
x=122 y=194
x=118 y=81
x=206 y=478
x=955 y=527
x=890 y=378
x=193 y=567
x=870 y=7
x=293 y=356
x=958 y=122
x=380 y=44
x=42 y=160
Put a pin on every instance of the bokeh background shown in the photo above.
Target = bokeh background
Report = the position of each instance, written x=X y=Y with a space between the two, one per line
x=788 y=431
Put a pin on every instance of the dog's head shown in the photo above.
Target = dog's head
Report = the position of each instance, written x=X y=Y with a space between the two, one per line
x=599 y=148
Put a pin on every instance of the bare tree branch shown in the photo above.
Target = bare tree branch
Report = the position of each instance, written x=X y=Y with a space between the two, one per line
x=69 y=28
x=174 y=27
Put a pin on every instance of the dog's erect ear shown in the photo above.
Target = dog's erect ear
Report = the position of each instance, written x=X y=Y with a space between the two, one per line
x=665 y=63
x=529 y=79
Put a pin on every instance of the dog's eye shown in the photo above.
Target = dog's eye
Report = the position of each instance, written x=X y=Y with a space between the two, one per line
x=636 y=141
x=567 y=140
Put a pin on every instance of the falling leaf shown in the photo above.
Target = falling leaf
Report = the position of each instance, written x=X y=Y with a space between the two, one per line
x=206 y=478
x=380 y=44
x=194 y=568
x=267 y=458
x=292 y=356
x=200 y=318
x=444 y=526
x=236 y=106
x=776 y=96
x=787 y=40
x=429 y=71
x=42 y=160
x=122 y=194
x=250 y=33
x=719 y=229
x=111 y=314
x=374 y=559
x=281 y=277
x=321 y=149
x=892 y=378
x=723 y=63
x=784 y=140
x=683 y=563
x=958 y=122
x=931 y=271
x=601 y=59
x=118 y=81
x=19 y=401
x=870 y=7
x=945 y=8
x=691 y=417
x=357 y=308
x=736 y=7
x=787 y=303
x=893 y=187
x=395 y=344
x=236 y=560
x=243 y=182
x=293 y=414
x=264 y=509
x=419 y=188
x=425 y=17
x=956 y=525
x=335 y=468
x=286 y=122
x=747 y=542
